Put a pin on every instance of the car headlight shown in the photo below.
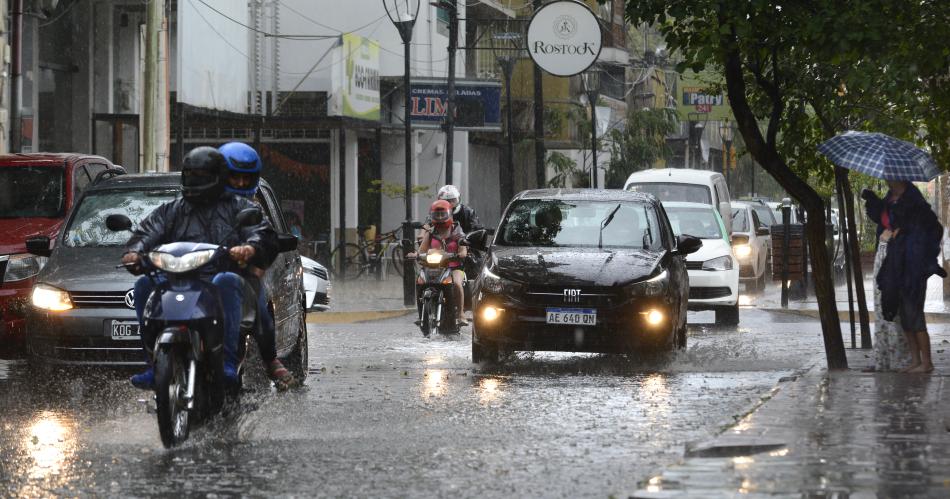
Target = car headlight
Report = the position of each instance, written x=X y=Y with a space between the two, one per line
x=49 y=298
x=23 y=266
x=179 y=264
x=653 y=286
x=435 y=258
x=742 y=250
x=498 y=285
x=721 y=263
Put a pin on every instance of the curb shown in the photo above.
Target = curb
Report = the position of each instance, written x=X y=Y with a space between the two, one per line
x=355 y=316
x=931 y=317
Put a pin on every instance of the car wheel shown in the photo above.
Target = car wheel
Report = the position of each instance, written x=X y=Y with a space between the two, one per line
x=298 y=361
x=482 y=350
x=728 y=316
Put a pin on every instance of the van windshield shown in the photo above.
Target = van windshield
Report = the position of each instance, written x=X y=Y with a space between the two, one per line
x=88 y=226
x=32 y=191
x=672 y=191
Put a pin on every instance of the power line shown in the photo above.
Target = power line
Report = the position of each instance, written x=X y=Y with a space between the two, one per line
x=314 y=21
x=265 y=33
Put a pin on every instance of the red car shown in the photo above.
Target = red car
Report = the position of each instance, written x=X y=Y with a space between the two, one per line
x=36 y=193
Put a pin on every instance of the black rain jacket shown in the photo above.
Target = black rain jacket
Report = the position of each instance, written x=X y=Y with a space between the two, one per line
x=180 y=220
x=467 y=219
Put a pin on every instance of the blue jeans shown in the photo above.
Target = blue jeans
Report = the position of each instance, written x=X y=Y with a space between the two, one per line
x=231 y=290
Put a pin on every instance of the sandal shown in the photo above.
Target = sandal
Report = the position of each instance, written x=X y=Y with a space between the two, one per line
x=279 y=374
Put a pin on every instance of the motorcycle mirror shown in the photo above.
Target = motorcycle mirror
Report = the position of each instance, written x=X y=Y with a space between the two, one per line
x=286 y=242
x=476 y=238
x=417 y=225
x=39 y=246
x=118 y=223
x=249 y=216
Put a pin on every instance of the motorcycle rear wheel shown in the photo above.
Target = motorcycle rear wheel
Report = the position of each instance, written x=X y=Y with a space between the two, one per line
x=171 y=383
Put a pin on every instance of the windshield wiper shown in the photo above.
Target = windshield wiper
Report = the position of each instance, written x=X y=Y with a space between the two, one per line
x=604 y=224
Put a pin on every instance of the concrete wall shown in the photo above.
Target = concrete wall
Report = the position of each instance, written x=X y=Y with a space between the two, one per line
x=482 y=188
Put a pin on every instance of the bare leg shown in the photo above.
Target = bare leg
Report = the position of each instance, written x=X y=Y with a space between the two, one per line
x=914 y=351
x=923 y=344
x=459 y=294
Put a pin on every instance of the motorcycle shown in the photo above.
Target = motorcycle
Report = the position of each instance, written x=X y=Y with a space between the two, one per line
x=436 y=299
x=184 y=313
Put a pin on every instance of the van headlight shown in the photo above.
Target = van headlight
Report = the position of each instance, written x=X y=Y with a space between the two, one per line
x=498 y=285
x=49 y=298
x=653 y=286
x=23 y=266
x=742 y=250
x=721 y=263
x=180 y=264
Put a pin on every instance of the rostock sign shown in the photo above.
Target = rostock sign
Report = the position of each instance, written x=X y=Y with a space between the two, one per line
x=564 y=38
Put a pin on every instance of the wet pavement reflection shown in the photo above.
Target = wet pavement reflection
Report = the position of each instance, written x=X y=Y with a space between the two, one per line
x=386 y=412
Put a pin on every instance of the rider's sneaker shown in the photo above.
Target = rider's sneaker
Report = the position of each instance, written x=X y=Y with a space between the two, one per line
x=279 y=374
x=145 y=380
x=230 y=373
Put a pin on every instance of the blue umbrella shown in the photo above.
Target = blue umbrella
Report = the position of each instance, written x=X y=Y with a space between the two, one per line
x=880 y=156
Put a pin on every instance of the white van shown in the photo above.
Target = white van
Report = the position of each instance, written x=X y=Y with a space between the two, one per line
x=684 y=185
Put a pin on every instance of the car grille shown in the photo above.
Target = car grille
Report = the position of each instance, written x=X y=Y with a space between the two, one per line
x=589 y=297
x=694 y=265
x=708 y=293
x=321 y=273
x=321 y=299
x=98 y=299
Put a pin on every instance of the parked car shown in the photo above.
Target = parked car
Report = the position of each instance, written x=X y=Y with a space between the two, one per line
x=685 y=185
x=713 y=270
x=316 y=285
x=36 y=193
x=750 y=243
x=581 y=270
x=82 y=306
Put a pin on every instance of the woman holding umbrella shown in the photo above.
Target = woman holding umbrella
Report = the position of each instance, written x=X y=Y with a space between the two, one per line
x=908 y=231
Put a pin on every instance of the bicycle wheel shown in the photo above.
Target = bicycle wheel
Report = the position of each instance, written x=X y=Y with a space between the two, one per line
x=397 y=259
x=354 y=262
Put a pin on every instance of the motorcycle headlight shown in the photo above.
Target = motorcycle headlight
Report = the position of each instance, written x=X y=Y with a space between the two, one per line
x=24 y=266
x=742 y=250
x=498 y=285
x=721 y=263
x=49 y=298
x=435 y=258
x=653 y=286
x=185 y=263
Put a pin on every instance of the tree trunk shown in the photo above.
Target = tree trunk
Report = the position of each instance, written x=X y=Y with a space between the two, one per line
x=766 y=154
x=858 y=273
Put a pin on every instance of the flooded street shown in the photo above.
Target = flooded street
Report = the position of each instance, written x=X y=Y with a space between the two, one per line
x=388 y=413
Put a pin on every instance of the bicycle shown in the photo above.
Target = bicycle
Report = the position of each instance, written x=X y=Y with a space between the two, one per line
x=368 y=255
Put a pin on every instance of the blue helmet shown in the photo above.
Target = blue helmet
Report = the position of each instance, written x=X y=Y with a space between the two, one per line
x=242 y=158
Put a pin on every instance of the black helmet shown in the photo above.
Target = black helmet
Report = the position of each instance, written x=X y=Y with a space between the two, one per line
x=203 y=175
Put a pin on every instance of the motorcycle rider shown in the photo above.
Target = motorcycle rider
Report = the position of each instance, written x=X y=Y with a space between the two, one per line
x=444 y=228
x=467 y=220
x=203 y=214
x=244 y=175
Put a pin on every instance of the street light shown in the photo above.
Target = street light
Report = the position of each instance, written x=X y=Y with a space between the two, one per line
x=506 y=47
x=591 y=80
x=403 y=14
x=726 y=132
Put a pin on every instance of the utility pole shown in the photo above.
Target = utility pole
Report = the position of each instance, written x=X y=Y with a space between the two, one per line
x=153 y=23
x=16 y=42
x=452 y=6
x=539 y=153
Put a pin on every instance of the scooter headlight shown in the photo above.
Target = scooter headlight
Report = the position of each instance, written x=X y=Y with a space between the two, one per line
x=435 y=258
x=180 y=264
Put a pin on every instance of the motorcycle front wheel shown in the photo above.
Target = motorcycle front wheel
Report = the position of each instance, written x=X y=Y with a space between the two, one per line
x=171 y=383
x=430 y=317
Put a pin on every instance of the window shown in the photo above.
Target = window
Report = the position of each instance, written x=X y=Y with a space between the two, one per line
x=551 y=222
x=690 y=193
x=80 y=180
x=698 y=222
x=740 y=220
x=764 y=214
x=32 y=191
x=95 y=169
x=88 y=226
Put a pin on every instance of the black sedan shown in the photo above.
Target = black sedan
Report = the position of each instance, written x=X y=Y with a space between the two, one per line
x=82 y=309
x=585 y=271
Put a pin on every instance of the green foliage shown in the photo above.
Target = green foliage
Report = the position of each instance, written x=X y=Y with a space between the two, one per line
x=640 y=145
x=564 y=169
x=394 y=190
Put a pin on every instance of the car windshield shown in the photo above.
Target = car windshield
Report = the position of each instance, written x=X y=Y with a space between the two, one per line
x=765 y=215
x=740 y=220
x=88 y=226
x=32 y=191
x=698 y=222
x=552 y=222
x=688 y=193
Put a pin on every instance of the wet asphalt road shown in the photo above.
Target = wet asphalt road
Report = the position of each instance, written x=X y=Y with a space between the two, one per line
x=386 y=413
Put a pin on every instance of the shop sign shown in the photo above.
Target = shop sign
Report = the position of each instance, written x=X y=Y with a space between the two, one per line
x=564 y=38
x=477 y=104
x=700 y=98
x=355 y=76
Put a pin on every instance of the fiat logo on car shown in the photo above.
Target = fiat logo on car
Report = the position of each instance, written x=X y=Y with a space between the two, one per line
x=572 y=295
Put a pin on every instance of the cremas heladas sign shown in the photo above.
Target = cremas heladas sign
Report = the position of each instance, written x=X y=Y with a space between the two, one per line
x=564 y=38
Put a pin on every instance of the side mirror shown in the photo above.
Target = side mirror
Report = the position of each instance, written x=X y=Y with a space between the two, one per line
x=118 y=223
x=739 y=239
x=249 y=216
x=762 y=231
x=39 y=246
x=286 y=242
x=686 y=245
x=725 y=210
x=417 y=225
x=476 y=238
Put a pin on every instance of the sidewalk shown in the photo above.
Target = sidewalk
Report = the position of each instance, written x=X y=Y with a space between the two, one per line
x=823 y=434
x=363 y=299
